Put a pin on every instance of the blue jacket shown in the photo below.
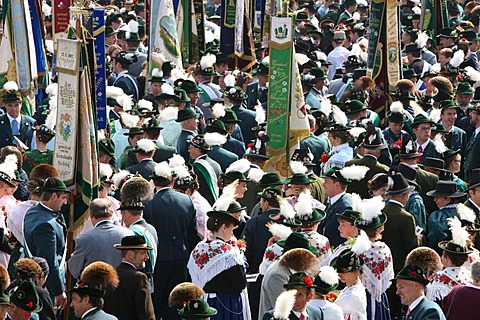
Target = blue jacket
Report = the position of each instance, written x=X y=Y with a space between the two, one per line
x=144 y=168
x=222 y=156
x=235 y=146
x=329 y=226
x=317 y=146
x=313 y=314
x=26 y=130
x=248 y=122
x=182 y=144
x=438 y=229
x=426 y=310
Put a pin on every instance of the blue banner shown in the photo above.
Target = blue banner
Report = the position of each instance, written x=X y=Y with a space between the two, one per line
x=100 y=73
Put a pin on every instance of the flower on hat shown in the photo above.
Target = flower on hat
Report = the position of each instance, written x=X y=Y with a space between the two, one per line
x=30 y=304
x=308 y=281
x=324 y=158
x=413 y=273
x=232 y=91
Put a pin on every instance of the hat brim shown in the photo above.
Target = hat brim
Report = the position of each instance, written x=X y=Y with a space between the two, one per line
x=196 y=145
x=286 y=222
x=400 y=277
x=401 y=191
x=473 y=186
x=381 y=221
x=409 y=155
x=137 y=247
x=224 y=214
x=373 y=147
x=434 y=193
x=443 y=245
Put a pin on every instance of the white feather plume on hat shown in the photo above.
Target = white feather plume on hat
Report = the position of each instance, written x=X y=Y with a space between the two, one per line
x=304 y=204
x=145 y=104
x=298 y=167
x=106 y=170
x=228 y=195
x=169 y=113
x=339 y=116
x=473 y=74
x=457 y=58
x=214 y=139
x=229 y=80
x=397 y=107
x=460 y=234
x=157 y=73
x=52 y=90
x=176 y=160
x=133 y=26
x=10 y=86
x=286 y=209
x=255 y=174
x=354 y=172
x=284 y=304
x=437 y=67
x=125 y=101
x=146 y=145
x=8 y=168
x=417 y=109
x=465 y=213
x=168 y=89
x=162 y=169
x=372 y=208
x=218 y=110
x=326 y=106
x=207 y=61
x=242 y=165
x=355 y=132
x=440 y=146
x=113 y=92
x=119 y=177
x=260 y=116
x=422 y=39
x=357 y=202
x=11 y=158
x=362 y=243
x=435 y=114
x=279 y=231
x=180 y=172
x=129 y=120
x=328 y=275
x=301 y=58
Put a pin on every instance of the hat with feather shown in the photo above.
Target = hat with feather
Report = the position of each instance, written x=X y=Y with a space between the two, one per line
x=373 y=139
x=284 y=305
x=305 y=212
x=396 y=114
x=11 y=93
x=372 y=216
x=96 y=279
x=460 y=236
x=409 y=149
x=157 y=76
x=286 y=215
x=299 y=176
x=236 y=171
x=467 y=218
x=326 y=280
x=350 y=259
x=348 y=174
x=355 y=212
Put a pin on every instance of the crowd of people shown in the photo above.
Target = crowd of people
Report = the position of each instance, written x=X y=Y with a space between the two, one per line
x=378 y=218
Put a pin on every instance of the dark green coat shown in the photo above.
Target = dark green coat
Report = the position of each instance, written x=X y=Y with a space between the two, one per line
x=427 y=182
x=471 y=158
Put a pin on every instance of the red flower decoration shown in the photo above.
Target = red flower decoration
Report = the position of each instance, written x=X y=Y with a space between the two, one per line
x=250 y=145
x=463 y=39
x=241 y=243
x=308 y=281
x=30 y=304
x=37 y=127
x=399 y=143
x=80 y=285
x=331 y=297
x=324 y=158
x=413 y=273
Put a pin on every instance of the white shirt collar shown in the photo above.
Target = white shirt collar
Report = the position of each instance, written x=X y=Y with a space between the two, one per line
x=395 y=201
x=476 y=131
x=19 y=119
x=335 y=198
x=478 y=207
x=304 y=312
x=416 y=302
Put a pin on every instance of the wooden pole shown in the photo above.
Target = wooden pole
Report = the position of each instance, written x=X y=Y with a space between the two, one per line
x=71 y=221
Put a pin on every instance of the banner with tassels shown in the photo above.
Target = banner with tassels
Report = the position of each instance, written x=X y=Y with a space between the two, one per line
x=100 y=71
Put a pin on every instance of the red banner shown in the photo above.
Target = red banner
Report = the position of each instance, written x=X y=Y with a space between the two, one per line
x=60 y=15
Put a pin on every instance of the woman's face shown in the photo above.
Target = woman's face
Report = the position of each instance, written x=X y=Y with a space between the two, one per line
x=381 y=192
x=240 y=190
x=454 y=166
x=348 y=277
x=228 y=231
x=347 y=229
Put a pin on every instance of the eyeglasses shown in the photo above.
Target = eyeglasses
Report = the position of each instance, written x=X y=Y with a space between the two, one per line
x=424 y=128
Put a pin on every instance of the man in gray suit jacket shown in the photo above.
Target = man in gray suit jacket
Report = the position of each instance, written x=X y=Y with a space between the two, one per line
x=97 y=244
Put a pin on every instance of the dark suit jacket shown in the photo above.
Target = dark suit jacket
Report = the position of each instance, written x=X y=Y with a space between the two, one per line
x=248 y=122
x=471 y=156
x=131 y=299
x=173 y=216
x=427 y=182
x=399 y=234
x=317 y=146
x=457 y=139
x=361 y=187
x=129 y=85
x=223 y=157
x=429 y=152
x=426 y=310
x=329 y=226
x=26 y=130
x=182 y=145
x=235 y=146
x=144 y=168
x=253 y=96
x=45 y=234
x=163 y=153
x=313 y=314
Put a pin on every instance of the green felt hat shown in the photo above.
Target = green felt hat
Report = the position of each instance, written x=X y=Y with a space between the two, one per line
x=322 y=286
x=412 y=273
x=299 y=280
x=270 y=179
x=465 y=88
x=134 y=131
x=261 y=69
x=188 y=85
x=334 y=173
x=318 y=73
x=196 y=309
x=271 y=193
x=185 y=114
x=376 y=222
x=181 y=95
x=317 y=215
x=235 y=94
x=109 y=31
x=11 y=93
x=298 y=178
x=216 y=125
x=215 y=214
x=153 y=124
x=350 y=215
x=54 y=185
x=448 y=104
x=25 y=296
x=297 y=240
x=107 y=146
x=397 y=117
x=419 y=119
x=354 y=106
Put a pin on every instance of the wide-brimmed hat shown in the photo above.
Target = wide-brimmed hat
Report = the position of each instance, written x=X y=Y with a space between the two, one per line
x=199 y=142
x=419 y=119
x=354 y=106
x=230 y=117
x=25 y=296
x=433 y=163
x=474 y=179
x=134 y=131
x=235 y=93
x=11 y=93
x=135 y=242
x=400 y=185
x=447 y=189
x=54 y=185
x=409 y=173
x=452 y=247
x=412 y=273
x=188 y=85
x=223 y=214
x=465 y=88
x=347 y=261
x=271 y=179
x=297 y=240
x=185 y=114
x=196 y=309
x=271 y=194
x=409 y=149
x=299 y=280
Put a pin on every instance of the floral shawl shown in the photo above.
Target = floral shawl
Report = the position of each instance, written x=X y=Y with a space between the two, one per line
x=272 y=253
x=377 y=270
x=320 y=243
x=443 y=282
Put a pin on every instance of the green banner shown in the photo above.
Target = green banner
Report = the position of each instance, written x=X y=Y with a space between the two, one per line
x=198 y=44
x=280 y=83
x=374 y=61
x=434 y=16
x=230 y=13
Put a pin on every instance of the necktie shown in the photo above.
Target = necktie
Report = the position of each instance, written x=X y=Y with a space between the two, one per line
x=420 y=149
x=302 y=317
x=15 y=130
x=408 y=311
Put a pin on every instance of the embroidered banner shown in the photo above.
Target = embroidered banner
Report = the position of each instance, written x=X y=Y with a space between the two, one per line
x=100 y=72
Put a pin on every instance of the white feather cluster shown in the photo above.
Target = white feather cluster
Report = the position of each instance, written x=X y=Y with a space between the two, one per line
x=218 y=110
x=328 y=275
x=10 y=86
x=339 y=116
x=11 y=158
x=260 y=116
x=119 y=177
x=101 y=135
x=362 y=243
x=422 y=39
x=209 y=36
x=46 y=9
x=207 y=61
x=457 y=58
x=214 y=139
x=397 y=107
x=417 y=109
x=146 y=145
x=355 y=132
x=228 y=195
x=372 y=208
x=255 y=174
x=168 y=89
x=437 y=67
x=286 y=209
x=304 y=205
x=157 y=73
x=326 y=106
x=279 y=231
x=297 y=167
x=52 y=90
x=357 y=202
x=356 y=16
x=129 y=120
x=435 y=114
x=145 y=104
x=125 y=101
x=301 y=58
x=162 y=169
x=113 y=92
x=354 y=172
x=180 y=172
x=440 y=146
x=169 y=113
x=229 y=80
x=242 y=165
x=8 y=168
x=105 y=170
x=460 y=235
x=133 y=26
x=465 y=213
x=409 y=146
x=284 y=304
x=473 y=74
x=176 y=160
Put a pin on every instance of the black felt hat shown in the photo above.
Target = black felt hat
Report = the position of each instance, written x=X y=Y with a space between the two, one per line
x=215 y=214
x=474 y=179
x=409 y=149
x=25 y=296
x=185 y=114
x=447 y=189
x=198 y=141
x=347 y=261
x=136 y=242
x=400 y=185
